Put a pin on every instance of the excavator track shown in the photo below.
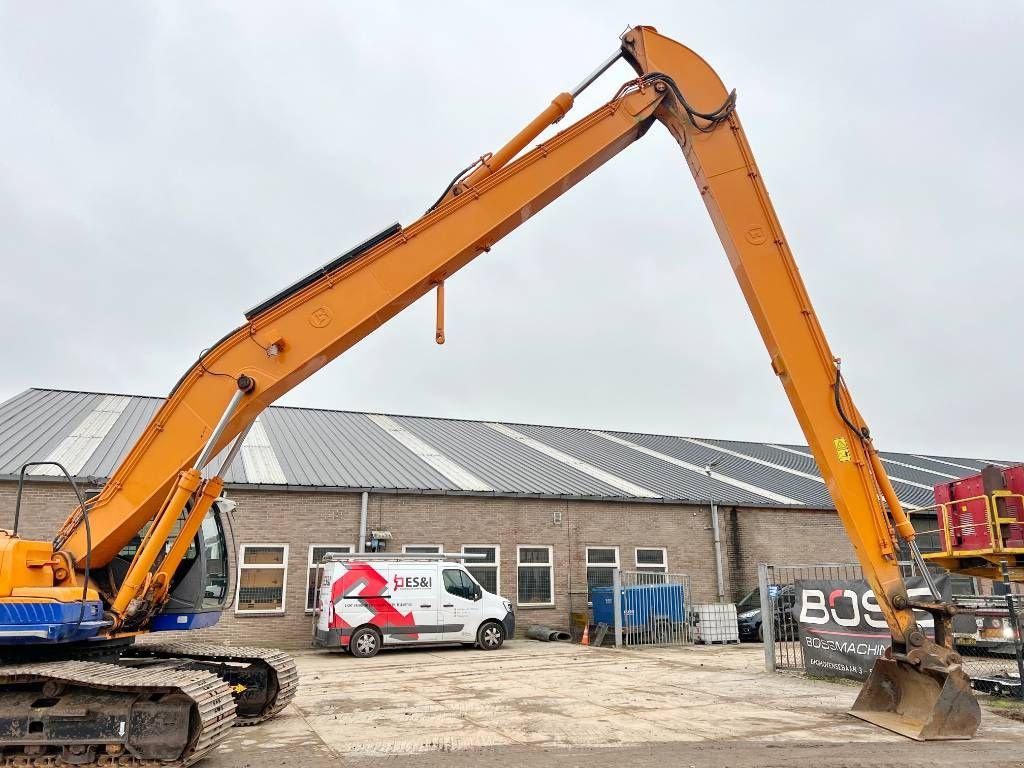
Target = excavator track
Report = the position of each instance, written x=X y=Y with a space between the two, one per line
x=86 y=713
x=267 y=677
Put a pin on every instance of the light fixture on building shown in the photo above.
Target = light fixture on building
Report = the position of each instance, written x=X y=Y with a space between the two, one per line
x=378 y=541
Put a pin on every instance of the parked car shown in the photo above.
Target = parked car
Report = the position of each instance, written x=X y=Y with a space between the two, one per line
x=365 y=604
x=748 y=614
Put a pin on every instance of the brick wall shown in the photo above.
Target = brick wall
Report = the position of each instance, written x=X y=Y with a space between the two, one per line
x=784 y=537
x=44 y=507
x=299 y=519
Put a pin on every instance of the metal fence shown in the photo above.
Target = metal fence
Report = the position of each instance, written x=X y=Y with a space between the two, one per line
x=777 y=583
x=986 y=629
x=650 y=608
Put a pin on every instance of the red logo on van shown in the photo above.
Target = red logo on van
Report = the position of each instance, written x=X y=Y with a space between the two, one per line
x=367 y=585
x=412 y=582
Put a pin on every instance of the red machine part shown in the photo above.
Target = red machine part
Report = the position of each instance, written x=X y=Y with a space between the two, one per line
x=1013 y=535
x=967 y=501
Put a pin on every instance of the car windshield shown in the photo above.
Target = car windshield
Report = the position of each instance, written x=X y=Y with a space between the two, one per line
x=750 y=602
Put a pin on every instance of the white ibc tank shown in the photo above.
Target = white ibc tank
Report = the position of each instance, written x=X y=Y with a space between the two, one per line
x=715 y=623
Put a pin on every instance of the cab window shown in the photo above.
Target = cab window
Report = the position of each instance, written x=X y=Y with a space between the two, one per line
x=458 y=583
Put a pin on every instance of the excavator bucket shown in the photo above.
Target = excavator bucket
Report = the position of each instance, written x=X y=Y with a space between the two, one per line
x=922 y=705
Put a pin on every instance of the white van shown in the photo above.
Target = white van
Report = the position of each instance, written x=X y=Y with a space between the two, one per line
x=366 y=602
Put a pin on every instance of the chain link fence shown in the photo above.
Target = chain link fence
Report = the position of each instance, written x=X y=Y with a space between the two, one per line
x=986 y=628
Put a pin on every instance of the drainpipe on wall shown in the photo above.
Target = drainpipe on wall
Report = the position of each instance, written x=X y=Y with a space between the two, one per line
x=362 y=521
x=718 y=552
x=717 y=533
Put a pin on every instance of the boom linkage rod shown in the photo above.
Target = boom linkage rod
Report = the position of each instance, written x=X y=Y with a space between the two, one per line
x=559 y=107
x=603 y=67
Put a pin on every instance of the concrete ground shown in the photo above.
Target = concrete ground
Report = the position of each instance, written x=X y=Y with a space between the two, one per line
x=539 y=704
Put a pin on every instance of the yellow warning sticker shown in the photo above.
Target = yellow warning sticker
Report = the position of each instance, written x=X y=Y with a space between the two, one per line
x=842 y=449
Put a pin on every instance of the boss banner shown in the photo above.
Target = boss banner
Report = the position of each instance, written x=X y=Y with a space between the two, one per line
x=841 y=629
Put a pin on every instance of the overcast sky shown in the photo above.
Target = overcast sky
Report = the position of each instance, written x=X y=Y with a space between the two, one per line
x=166 y=166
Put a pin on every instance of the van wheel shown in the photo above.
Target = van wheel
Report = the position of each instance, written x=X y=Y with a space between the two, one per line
x=364 y=643
x=490 y=636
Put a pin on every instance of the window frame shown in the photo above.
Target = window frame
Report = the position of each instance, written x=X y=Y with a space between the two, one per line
x=496 y=565
x=310 y=565
x=242 y=566
x=550 y=565
x=438 y=547
x=645 y=567
x=608 y=566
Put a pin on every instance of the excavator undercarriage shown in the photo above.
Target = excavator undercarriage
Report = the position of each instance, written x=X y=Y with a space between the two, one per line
x=166 y=704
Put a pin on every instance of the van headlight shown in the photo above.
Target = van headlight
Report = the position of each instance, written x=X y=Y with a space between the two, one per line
x=508 y=605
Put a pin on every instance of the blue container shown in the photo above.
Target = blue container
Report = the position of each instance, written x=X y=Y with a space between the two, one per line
x=642 y=606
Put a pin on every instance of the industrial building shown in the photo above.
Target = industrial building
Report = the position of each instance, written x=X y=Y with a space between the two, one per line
x=552 y=509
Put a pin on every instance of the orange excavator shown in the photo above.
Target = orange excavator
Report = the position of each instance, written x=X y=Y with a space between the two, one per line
x=133 y=560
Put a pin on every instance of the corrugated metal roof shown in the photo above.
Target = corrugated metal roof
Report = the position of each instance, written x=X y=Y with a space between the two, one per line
x=33 y=424
x=338 y=449
x=79 y=446
x=506 y=464
x=756 y=475
x=342 y=450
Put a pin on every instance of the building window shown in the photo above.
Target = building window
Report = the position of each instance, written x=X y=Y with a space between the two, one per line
x=421 y=549
x=316 y=555
x=486 y=570
x=535 y=573
x=262 y=577
x=601 y=565
x=651 y=560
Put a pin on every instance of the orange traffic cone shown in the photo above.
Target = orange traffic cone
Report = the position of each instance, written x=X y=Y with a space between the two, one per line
x=586 y=635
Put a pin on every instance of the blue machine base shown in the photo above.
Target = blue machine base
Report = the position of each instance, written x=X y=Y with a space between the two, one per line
x=48 y=623
x=167 y=622
x=26 y=623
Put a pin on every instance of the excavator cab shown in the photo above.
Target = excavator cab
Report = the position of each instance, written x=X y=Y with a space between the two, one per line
x=200 y=586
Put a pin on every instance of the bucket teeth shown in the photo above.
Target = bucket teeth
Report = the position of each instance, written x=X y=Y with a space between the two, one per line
x=922 y=705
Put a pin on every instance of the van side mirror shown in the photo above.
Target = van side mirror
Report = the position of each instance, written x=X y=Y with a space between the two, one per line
x=478 y=593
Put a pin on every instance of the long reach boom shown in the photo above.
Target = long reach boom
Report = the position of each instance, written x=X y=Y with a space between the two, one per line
x=168 y=481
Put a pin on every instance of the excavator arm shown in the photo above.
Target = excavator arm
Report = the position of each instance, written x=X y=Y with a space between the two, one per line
x=920 y=690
